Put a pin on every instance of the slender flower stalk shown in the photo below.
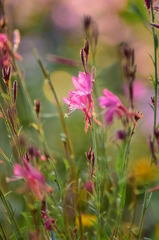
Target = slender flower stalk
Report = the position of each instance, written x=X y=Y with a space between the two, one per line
x=96 y=176
x=11 y=216
x=57 y=103
x=155 y=40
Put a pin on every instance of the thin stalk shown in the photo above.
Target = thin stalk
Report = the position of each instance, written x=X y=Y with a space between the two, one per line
x=11 y=216
x=57 y=103
x=96 y=172
x=3 y=231
x=155 y=114
x=24 y=91
x=134 y=212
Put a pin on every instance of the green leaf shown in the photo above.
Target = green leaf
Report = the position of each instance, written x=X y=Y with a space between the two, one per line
x=28 y=219
x=79 y=185
x=148 y=200
x=7 y=193
x=1 y=238
x=151 y=106
x=151 y=59
x=66 y=164
x=145 y=238
x=34 y=125
x=20 y=129
x=93 y=210
x=135 y=13
x=108 y=230
x=153 y=81
x=52 y=177
x=94 y=223
x=120 y=159
x=48 y=115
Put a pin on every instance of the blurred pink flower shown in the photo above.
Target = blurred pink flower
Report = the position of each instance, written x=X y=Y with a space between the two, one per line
x=34 y=178
x=148 y=5
x=113 y=106
x=139 y=90
x=5 y=45
x=88 y=187
x=50 y=222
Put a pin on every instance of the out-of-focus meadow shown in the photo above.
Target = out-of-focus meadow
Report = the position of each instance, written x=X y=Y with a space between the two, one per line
x=54 y=27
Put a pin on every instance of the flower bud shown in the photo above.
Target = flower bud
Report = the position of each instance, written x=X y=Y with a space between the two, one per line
x=6 y=71
x=14 y=91
x=37 y=106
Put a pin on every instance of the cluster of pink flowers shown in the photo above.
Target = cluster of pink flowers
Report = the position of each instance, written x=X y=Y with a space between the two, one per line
x=81 y=98
x=34 y=178
x=6 y=45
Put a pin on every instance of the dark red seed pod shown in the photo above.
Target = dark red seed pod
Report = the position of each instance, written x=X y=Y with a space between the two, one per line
x=37 y=106
x=14 y=91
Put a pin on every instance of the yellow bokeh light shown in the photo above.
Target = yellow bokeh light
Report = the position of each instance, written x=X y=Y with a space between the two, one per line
x=62 y=82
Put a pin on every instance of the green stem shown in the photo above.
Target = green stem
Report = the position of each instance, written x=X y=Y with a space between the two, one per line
x=155 y=114
x=24 y=91
x=57 y=103
x=155 y=66
x=3 y=231
x=96 y=176
x=11 y=216
x=143 y=213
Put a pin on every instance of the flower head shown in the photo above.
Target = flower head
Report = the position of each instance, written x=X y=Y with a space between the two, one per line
x=34 y=178
x=81 y=98
x=83 y=83
x=113 y=106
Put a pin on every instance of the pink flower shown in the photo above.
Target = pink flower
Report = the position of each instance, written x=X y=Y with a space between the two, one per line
x=34 y=178
x=80 y=103
x=81 y=98
x=3 y=43
x=6 y=45
x=148 y=5
x=50 y=222
x=83 y=83
x=113 y=106
x=88 y=187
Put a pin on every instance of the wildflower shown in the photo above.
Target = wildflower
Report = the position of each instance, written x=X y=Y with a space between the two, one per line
x=83 y=84
x=87 y=21
x=6 y=45
x=142 y=172
x=137 y=115
x=148 y=5
x=34 y=178
x=121 y=134
x=49 y=223
x=113 y=106
x=88 y=187
x=37 y=106
x=81 y=98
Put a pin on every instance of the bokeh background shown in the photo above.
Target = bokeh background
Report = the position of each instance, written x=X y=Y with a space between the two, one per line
x=55 y=27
